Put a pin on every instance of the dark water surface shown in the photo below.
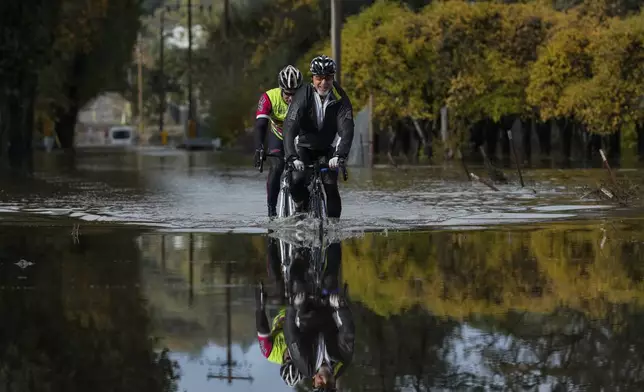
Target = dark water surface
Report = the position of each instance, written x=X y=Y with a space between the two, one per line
x=540 y=307
x=135 y=271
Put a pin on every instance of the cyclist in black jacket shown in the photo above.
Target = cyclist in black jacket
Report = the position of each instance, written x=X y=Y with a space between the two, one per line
x=320 y=339
x=317 y=114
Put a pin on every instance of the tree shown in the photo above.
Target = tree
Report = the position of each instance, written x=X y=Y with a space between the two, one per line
x=26 y=38
x=60 y=54
x=563 y=62
x=611 y=99
x=79 y=321
x=93 y=42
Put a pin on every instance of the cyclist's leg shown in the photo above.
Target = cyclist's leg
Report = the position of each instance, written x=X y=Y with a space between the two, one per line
x=333 y=201
x=276 y=160
x=299 y=192
x=297 y=272
x=331 y=275
x=275 y=264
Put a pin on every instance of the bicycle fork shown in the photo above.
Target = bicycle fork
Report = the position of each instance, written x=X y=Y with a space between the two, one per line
x=285 y=203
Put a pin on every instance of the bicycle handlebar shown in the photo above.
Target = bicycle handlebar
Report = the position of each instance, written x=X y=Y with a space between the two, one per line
x=325 y=167
x=324 y=299
x=318 y=299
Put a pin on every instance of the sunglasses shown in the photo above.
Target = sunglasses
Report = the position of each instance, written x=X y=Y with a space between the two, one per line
x=288 y=93
x=329 y=77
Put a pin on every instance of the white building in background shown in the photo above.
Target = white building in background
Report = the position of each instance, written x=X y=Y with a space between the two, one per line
x=108 y=108
x=99 y=115
x=179 y=37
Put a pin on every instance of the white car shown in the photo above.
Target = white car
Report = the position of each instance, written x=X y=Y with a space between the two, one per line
x=120 y=136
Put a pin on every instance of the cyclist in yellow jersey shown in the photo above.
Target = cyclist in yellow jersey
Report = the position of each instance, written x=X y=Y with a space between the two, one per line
x=272 y=342
x=272 y=108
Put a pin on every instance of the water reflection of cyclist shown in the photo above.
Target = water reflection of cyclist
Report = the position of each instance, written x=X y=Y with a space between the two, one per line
x=271 y=339
x=320 y=338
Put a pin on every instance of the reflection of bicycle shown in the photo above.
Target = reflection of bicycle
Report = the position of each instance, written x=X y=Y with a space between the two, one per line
x=316 y=259
x=317 y=266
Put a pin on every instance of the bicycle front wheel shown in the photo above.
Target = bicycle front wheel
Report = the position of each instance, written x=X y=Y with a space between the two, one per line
x=315 y=206
x=282 y=211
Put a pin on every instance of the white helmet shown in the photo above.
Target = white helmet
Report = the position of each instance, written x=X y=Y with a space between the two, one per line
x=290 y=78
x=290 y=374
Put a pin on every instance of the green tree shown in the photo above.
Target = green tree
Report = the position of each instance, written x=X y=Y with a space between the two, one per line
x=92 y=44
x=25 y=38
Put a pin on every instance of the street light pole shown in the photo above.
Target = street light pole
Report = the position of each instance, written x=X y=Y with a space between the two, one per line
x=336 y=32
x=190 y=112
x=140 y=83
x=226 y=18
x=161 y=77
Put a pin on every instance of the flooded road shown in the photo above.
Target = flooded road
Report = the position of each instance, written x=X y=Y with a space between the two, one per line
x=544 y=307
x=214 y=192
x=137 y=271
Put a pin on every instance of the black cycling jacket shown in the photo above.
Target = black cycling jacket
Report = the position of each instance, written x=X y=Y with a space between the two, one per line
x=301 y=120
x=339 y=334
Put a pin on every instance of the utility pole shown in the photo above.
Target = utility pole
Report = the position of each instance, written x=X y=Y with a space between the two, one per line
x=226 y=18
x=191 y=126
x=162 y=78
x=140 y=83
x=371 y=128
x=336 y=32
x=191 y=267
x=230 y=363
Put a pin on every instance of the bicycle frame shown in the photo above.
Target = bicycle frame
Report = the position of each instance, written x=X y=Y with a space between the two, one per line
x=317 y=194
x=285 y=208
x=285 y=203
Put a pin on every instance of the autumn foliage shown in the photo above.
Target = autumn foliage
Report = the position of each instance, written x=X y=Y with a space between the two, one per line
x=486 y=60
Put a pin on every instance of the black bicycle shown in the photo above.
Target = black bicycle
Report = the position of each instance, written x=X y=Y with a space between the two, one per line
x=317 y=195
x=314 y=277
x=285 y=203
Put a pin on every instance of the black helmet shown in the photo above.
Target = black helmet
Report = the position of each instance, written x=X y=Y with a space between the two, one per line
x=323 y=65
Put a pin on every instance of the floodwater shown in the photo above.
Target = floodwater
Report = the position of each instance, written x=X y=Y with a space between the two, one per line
x=136 y=272
x=212 y=192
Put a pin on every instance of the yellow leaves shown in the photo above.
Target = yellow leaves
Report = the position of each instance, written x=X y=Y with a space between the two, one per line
x=492 y=89
x=460 y=273
x=490 y=60
x=588 y=71
x=562 y=62
x=463 y=88
x=380 y=44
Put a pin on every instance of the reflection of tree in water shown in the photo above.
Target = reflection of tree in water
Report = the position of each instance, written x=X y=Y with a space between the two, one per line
x=567 y=351
x=406 y=350
x=557 y=307
x=461 y=273
x=75 y=320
